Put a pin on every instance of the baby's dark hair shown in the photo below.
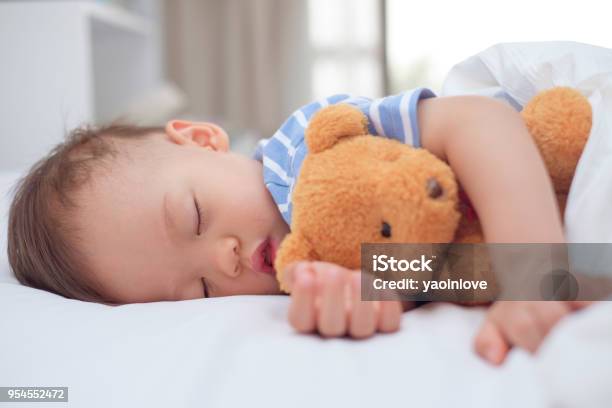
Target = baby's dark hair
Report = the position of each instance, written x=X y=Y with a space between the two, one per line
x=41 y=237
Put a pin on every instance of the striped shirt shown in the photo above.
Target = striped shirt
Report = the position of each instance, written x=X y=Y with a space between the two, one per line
x=282 y=154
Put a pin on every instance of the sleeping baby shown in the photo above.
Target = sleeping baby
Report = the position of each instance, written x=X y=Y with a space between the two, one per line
x=124 y=214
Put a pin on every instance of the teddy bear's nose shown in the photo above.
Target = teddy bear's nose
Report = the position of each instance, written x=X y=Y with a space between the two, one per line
x=434 y=189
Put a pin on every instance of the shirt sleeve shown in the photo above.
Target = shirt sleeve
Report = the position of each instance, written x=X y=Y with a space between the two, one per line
x=282 y=154
x=394 y=116
x=291 y=133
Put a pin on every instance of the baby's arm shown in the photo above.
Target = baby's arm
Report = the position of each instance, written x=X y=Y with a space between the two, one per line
x=496 y=161
x=498 y=165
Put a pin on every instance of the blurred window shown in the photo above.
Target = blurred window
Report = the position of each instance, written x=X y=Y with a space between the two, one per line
x=425 y=39
x=345 y=38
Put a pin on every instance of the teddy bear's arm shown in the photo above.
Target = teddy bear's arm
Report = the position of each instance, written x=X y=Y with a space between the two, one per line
x=295 y=247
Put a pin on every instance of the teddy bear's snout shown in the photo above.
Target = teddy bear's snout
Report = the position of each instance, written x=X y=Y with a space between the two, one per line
x=434 y=189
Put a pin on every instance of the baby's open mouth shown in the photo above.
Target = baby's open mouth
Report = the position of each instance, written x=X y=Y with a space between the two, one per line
x=263 y=257
x=267 y=256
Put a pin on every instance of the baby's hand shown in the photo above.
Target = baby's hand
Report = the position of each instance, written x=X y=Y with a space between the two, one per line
x=522 y=324
x=326 y=298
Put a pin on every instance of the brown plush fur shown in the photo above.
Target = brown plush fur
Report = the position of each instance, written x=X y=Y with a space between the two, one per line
x=560 y=122
x=352 y=182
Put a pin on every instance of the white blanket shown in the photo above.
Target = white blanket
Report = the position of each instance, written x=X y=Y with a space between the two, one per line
x=518 y=71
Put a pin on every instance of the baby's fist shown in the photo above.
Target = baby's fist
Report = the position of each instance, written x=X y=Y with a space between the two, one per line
x=326 y=298
x=522 y=324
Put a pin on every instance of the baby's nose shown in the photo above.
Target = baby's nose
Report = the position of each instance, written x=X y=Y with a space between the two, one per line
x=229 y=256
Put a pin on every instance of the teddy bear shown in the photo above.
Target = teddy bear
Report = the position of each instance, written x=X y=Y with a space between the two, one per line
x=357 y=188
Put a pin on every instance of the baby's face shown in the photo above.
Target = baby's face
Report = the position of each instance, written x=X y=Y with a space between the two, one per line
x=142 y=235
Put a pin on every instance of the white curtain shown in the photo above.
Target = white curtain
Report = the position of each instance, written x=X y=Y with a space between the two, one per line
x=244 y=63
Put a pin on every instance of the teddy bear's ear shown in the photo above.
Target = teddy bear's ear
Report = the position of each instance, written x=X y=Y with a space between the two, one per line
x=295 y=247
x=332 y=123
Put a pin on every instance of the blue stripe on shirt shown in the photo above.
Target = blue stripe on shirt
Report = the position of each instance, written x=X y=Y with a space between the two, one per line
x=285 y=155
x=422 y=93
x=390 y=117
x=363 y=104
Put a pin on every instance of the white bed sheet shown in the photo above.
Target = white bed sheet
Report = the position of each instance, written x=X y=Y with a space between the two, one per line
x=239 y=351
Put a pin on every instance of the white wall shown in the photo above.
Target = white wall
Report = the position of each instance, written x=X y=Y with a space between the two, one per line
x=65 y=63
x=43 y=79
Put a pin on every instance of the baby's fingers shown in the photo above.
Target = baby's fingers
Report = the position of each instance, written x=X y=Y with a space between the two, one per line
x=389 y=316
x=332 y=311
x=302 y=313
x=522 y=328
x=362 y=322
x=288 y=276
x=579 y=304
x=490 y=343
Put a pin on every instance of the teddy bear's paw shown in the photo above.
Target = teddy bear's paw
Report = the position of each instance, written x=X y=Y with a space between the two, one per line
x=294 y=248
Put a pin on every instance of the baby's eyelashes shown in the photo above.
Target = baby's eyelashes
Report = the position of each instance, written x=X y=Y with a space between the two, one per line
x=199 y=217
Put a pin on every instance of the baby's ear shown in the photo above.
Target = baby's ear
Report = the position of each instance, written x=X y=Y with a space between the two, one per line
x=332 y=123
x=203 y=134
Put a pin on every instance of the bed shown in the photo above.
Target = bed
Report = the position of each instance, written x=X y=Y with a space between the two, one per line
x=240 y=351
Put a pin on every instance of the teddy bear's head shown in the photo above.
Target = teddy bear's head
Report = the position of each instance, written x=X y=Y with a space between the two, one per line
x=357 y=188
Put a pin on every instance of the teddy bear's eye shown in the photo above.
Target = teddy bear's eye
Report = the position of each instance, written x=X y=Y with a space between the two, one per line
x=434 y=190
x=385 y=230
